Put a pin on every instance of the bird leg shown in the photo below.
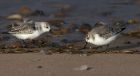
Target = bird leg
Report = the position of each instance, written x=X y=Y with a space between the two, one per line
x=23 y=43
x=107 y=46
x=84 y=46
x=98 y=47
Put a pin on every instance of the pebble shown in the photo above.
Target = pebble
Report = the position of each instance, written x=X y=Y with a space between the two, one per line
x=56 y=22
x=15 y=17
x=82 y=68
x=127 y=42
x=24 y=10
x=85 y=28
x=133 y=21
x=39 y=67
x=37 y=13
x=134 y=33
x=61 y=31
x=59 y=14
x=15 y=45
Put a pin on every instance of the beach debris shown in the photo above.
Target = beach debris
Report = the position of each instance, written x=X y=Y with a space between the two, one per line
x=133 y=21
x=45 y=52
x=14 y=45
x=59 y=14
x=61 y=5
x=65 y=30
x=130 y=51
x=82 y=68
x=73 y=26
x=83 y=54
x=56 y=22
x=39 y=67
x=127 y=51
x=106 y=13
x=63 y=10
x=37 y=13
x=24 y=10
x=135 y=33
x=60 y=31
x=14 y=17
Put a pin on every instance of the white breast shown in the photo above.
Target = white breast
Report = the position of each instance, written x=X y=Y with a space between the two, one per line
x=27 y=36
x=102 y=41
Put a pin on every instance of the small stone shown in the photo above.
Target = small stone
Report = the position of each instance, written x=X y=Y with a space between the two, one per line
x=134 y=33
x=59 y=14
x=128 y=51
x=60 y=31
x=83 y=54
x=64 y=30
x=56 y=32
x=85 y=28
x=38 y=13
x=138 y=42
x=133 y=21
x=15 y=17
x=106 y=13
x=83 y=68
x=39 y=67
x=42 y=52
x=15 y=45
x=136 y=2
x=56 y=22
x=65 y=7
x=24 y=10
x=5 y=38
x=73 y=26
x=117 y=47
x=127 y=42
x=64 y=40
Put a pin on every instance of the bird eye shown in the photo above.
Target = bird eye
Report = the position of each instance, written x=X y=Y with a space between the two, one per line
x=87 y=38
x=47 y=26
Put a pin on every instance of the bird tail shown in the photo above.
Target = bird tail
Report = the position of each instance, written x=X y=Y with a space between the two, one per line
x=5 y=32
x=119 y=26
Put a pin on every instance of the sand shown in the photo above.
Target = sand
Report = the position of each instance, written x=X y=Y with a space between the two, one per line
x=36 y=64
x=82 y=11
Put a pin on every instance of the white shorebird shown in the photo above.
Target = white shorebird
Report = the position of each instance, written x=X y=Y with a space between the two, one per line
x=29 y=29
x=101 y=34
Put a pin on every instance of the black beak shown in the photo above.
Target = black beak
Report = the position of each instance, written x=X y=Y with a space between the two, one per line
x=50 y=30
x=84 y=46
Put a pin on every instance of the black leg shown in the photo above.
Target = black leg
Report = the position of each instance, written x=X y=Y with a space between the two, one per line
x=23 y=43
x=107 y=46
x=98 y=47
x=84 y=46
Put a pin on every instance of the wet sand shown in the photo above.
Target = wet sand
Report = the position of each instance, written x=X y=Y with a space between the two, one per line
x=36 y=64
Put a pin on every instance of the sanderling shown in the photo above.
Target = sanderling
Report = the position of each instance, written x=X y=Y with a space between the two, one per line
x=29 y=29
x=101 y=34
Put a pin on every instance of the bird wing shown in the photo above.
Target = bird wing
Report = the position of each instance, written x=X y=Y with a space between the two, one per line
x=101 y=29
x=107 y=31
x=21 y=28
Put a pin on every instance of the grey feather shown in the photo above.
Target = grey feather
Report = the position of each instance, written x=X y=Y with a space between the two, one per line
x=107 y=31
x=25 y=27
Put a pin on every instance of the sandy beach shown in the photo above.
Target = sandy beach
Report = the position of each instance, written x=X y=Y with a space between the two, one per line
x=70 y=21
x=64 y=65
